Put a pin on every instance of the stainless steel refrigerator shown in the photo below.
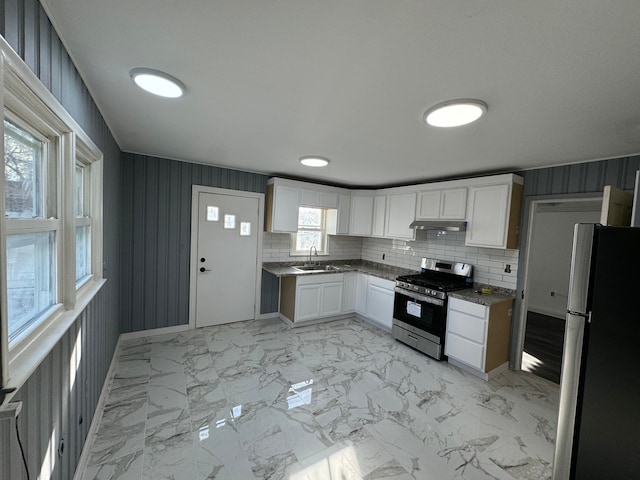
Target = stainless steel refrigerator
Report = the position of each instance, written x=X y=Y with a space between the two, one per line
x=598 y=433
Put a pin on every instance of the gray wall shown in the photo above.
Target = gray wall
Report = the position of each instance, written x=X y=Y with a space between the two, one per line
x=48 y=403
x=156 y=235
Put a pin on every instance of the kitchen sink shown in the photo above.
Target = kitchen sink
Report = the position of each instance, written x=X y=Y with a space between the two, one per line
x=316 y=268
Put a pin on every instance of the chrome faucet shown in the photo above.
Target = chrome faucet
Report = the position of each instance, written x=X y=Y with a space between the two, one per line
x=313 y=247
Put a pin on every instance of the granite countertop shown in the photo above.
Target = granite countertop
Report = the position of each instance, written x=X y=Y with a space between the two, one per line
x=388 y=272
x=474 y=295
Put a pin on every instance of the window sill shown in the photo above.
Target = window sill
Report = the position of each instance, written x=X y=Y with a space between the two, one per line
x=26 y=358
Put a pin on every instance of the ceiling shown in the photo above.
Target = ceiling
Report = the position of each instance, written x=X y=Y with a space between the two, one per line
x=270 y=81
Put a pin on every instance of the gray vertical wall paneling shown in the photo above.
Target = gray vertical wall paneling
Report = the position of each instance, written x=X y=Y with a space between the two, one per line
x=583 y=177
x=159 y=229
x=49 y=402
x=270 y=293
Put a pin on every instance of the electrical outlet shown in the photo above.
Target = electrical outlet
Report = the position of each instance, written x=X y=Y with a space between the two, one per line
x=383 y=255
x=507 y=268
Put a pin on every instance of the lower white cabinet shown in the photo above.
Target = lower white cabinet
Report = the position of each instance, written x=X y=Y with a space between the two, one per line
x=380 y=302
x=349 y=292
x=311 y=297
x=362 y=283
x=477 y=337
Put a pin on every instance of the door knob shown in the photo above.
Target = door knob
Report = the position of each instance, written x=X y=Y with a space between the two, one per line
x=202 y=269
x=202 y=259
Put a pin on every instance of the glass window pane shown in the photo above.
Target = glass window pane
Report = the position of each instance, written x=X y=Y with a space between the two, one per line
x=79 y=196
x=310 y=217
x=30 y=278
x=83 y=252
x=213 y=213
x=229 y=221
x=22 y=173
x=307 y=239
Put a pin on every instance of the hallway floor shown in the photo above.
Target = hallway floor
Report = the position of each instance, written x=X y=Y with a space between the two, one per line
x=256 y=400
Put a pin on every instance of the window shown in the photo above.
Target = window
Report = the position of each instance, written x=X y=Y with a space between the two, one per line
x=31 y=227
x=312 y=232
x=51 y=230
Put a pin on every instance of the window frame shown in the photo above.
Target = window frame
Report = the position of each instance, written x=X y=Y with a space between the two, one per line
x=30 y=105
x=294 y=252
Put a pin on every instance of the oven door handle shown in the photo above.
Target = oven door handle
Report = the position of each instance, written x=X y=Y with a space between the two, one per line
x=422 y=298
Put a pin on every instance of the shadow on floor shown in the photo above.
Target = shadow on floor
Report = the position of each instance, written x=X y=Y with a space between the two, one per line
x=543 y=342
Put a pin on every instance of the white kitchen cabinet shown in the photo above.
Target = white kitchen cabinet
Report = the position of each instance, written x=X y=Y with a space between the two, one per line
x=349 y=292
x=448 y=204
x=477 y=336
x=380 y=294
x=361 y=218
x=318 y=198
x=311 y=297
x=344 y=213
x=401 y=212
x=493 y=214
x=362 y=283
x=282 y=208
x=379 y=211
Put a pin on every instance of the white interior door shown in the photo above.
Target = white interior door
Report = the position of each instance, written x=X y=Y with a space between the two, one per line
x=616 y=207
x=225 y=266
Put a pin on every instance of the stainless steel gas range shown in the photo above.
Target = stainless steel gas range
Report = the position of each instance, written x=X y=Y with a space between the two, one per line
x=420 y=304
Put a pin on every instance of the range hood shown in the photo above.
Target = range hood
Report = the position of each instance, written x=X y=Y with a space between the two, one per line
x=442 y=225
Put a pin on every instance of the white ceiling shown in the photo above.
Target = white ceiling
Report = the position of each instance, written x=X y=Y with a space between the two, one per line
x=270 y=81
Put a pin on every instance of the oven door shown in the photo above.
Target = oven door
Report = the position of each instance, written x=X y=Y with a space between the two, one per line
x=424 y=313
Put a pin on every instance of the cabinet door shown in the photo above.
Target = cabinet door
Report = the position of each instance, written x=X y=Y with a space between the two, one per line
x=349 y=292
x=285 y=209
x=308 y=302
x=401 y=212
x=464 y=350
x=344 y=210
x=429 y=205
x=362 y=284
x=379 y=207
x=488 y=213
x=453 y=204
x=361 y=220
x=331 y=299
x=380 y=306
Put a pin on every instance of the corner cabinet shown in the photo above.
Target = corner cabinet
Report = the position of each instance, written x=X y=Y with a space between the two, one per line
x=361 y=217
x=401 y=212
x=477 y=336
x=493 y=214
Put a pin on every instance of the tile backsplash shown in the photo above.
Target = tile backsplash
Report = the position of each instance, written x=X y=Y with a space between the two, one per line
x=489 y=263
x=276 y=248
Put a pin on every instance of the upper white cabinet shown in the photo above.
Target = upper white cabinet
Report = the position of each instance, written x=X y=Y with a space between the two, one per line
x=285 y=196
x=400 y=212
x=319 y=199
x=282 y=208
x=379 y=210
x=361 y=221
x=448 y=204
x=493 y=213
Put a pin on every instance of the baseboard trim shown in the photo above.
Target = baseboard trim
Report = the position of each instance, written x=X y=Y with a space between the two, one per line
x=153 y=332
x=97 y=415
x=266 y=316
x=486 y=376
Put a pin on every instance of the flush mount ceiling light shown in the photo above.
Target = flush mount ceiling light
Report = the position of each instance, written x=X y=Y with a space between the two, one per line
x=454 y=113
x=158 y=83
x=314 y=161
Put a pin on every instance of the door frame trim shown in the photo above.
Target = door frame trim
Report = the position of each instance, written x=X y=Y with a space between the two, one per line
x=519 y=322
x=196 y=190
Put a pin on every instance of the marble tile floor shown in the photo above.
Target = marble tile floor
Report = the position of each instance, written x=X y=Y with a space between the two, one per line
x=339 y=400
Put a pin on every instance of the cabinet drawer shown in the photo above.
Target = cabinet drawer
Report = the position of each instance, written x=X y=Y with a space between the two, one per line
x=464 y=325
x=469 y=308
x=464 y=350
x=381 y=282
x=316 y=279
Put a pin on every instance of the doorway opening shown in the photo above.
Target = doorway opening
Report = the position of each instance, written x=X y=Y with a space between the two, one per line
x=546 y=280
